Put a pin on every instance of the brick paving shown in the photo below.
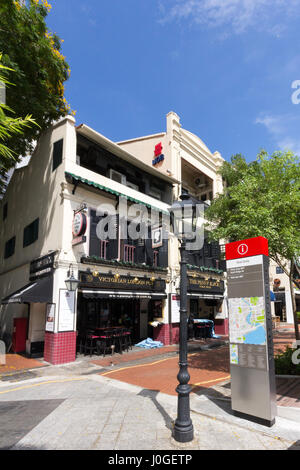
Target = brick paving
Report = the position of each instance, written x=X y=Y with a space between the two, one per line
x=98 y=412
x=93 y=413
x=288 y=392
x=16 y=362
x=156 y=369
x=282 y=339
x=207 y=369
x=134 y=355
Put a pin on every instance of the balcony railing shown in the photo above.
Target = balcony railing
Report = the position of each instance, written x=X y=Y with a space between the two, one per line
x=129 y=253
x=103 y=248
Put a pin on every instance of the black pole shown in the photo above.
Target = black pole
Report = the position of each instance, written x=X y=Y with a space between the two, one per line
x=183 y=428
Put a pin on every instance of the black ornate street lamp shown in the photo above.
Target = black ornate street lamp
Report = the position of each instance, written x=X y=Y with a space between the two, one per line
x=71 y=282
x=183 y=220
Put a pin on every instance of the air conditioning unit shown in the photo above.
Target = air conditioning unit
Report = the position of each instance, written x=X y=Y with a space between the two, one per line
x=116 y=176
x=132 y=186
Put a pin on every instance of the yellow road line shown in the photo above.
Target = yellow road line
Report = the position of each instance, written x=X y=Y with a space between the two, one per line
x=209 y=381
x=139 y=365
x=143 y=365
x=163 y=360
x=40 y=383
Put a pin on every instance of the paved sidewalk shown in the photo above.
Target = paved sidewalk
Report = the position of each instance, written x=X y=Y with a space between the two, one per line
x=74 y=407
x=15 y=363
x=94 y=412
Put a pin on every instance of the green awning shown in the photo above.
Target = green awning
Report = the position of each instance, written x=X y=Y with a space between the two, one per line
x=112 y=191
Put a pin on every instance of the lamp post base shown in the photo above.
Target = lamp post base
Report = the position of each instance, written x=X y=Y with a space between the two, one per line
x=183 y=427
x=183 y=433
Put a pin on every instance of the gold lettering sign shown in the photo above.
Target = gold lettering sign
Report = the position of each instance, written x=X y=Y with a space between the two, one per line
x=205 y=283
x=126 y=281
x=116 y=281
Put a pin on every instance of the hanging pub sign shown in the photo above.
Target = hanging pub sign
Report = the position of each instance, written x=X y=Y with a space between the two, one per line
x=79 y=228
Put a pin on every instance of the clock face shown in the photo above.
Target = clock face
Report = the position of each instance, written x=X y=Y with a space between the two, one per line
x=79 y=224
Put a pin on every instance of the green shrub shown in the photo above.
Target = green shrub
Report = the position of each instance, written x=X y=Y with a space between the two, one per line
x=284 y=364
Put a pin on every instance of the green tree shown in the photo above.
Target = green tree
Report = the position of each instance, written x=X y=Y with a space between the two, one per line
x=9 y=127
x=40 y=70
x=262 y=198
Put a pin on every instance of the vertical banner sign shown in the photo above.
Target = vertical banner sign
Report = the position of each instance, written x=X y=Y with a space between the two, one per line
x=253 y=389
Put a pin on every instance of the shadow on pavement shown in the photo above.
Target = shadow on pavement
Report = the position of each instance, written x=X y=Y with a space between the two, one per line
x=223 y=401
x=295 y=446
x=152 y=394
x=216 y=359
x=18 y=418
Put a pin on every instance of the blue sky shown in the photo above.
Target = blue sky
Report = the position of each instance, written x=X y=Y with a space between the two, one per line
x=226 y=67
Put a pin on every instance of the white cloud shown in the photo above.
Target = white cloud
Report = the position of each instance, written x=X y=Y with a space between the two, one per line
x=239 y=15
x=284 y=129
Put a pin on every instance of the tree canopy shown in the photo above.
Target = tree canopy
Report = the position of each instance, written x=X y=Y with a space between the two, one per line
x=9 y=127
x=261 y=198
x=40 y=69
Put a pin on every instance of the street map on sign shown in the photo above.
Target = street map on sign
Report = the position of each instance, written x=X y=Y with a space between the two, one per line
x=247 y=320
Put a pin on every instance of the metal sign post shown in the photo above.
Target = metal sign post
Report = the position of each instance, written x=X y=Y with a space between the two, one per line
x=253 y=388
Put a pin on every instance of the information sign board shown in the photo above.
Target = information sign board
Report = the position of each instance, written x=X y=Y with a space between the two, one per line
x=250 y=330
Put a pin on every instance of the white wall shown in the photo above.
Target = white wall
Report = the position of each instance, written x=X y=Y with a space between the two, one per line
x=34 y=192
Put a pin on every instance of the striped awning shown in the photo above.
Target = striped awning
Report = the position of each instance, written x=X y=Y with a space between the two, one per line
x=112 y=191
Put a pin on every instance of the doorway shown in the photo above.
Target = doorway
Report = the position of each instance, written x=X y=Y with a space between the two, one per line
x=126 y=312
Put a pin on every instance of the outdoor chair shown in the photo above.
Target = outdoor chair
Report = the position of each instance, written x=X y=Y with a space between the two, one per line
x=90 y=346
x=201 y=331
x=106 y=343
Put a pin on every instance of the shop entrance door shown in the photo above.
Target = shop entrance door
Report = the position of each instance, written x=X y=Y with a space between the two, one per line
x=126 y=312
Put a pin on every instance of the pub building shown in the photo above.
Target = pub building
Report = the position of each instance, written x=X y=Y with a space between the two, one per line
x=75 y=181
x=107 y=300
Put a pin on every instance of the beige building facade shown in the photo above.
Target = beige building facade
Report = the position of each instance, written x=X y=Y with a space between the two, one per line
x=51 y=210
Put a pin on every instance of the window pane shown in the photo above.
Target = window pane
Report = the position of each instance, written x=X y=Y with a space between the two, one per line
x=31 y=233
x=10 y=247
x=57 y=153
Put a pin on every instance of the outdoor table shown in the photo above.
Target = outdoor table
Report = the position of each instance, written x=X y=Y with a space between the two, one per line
x=206 y=323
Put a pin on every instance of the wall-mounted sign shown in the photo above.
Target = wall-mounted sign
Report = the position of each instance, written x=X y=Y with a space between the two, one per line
x=50 y=317
x=109 y=281
x=78 y=240
x=79 y=224
x=157 y=239
x=175 y=309
x=66 y=311
x=197 y=284
x=158 y=155
x=42 y=266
